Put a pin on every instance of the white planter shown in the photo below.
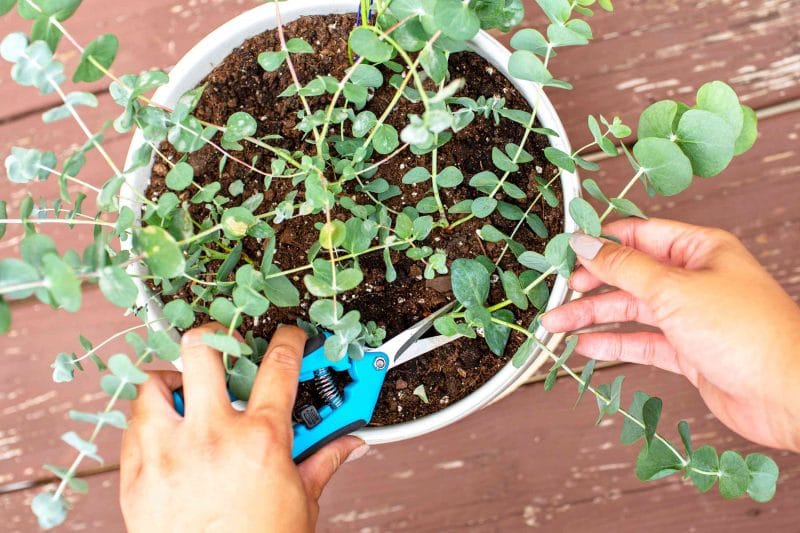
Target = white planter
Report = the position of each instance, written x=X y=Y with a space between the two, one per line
x=210 y=52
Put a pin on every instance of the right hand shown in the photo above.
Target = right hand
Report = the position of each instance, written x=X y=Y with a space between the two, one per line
x=725 y=323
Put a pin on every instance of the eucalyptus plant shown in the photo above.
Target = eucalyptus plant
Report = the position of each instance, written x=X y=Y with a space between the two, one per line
x=405 y=44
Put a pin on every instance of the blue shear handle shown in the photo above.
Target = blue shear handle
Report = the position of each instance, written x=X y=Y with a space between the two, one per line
x=360 y=397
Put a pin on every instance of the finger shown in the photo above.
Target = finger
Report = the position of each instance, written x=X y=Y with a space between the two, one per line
x=317 y=470
x=615 y=306
x=275 y=386
x=665 y=240
x=130 y=459
x=621 y=266
x=154 y=398
x=583 y=281
x=204 y=389
x=645 y=348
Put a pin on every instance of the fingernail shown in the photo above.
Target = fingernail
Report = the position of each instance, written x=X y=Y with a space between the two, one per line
x=541 y=322
x=358 y=453
x=584 y=245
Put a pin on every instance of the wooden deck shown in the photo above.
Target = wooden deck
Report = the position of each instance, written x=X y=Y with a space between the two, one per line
x=528 y=461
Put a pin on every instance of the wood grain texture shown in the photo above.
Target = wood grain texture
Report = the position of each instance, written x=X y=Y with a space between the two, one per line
x=526 y=462
x=644 y=51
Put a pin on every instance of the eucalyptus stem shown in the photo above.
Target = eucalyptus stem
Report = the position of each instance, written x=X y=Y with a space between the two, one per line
x=55 y=221
x=520 y=146
x=98 y=426
x=622 y=194
x=341 y=258
x=595 y=392
x=434 y=172
x=116 y=336
x=70 y=178
x=280 y=153
x=293 y=73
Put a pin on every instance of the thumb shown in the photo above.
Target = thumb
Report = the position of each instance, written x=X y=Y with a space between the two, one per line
x=621 y=266
x=317 y=470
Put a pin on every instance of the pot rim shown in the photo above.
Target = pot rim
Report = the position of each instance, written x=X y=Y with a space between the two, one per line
x=215 y=47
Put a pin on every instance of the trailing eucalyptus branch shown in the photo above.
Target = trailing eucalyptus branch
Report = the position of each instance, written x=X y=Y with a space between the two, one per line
x=403 y=46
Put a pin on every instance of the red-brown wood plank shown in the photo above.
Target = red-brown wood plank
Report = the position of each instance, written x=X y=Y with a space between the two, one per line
x=527 y=461
x=757 y=198
x=642 y=52
x=33 y=409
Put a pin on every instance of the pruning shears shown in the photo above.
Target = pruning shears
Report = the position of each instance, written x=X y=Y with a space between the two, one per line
x=346 y=411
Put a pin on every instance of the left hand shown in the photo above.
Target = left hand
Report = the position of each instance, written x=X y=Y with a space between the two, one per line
x=218 y=469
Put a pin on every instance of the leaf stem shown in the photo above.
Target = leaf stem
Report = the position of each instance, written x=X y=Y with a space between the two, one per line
x=582 y=382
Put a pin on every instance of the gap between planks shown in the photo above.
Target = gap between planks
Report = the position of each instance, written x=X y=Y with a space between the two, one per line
x=18 y=486
x=762 y=113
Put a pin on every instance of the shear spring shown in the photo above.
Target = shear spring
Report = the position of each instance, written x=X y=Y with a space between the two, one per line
x=327 y=389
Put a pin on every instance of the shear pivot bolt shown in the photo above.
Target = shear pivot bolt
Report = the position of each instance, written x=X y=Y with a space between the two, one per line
x=380 y=363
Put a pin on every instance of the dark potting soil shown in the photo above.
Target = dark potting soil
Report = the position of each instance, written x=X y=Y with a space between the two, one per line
x=240 y=84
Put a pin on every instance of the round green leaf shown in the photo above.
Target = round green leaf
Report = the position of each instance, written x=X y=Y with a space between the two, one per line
x=747 y=137
x=665 y=165
x=332 y=234
x=239 y=126
x=763 y=477
x=14 y=272
x=707 y=140
x=531 y=40
x=62 y=283
x=271 y=61
x=483 y=207
x=161 y=253
x=236 y=221
x=50 y=511
x=734 y=477
x=179 y=313
x=117 y=286
x=280 y=291
x=13 y=46
x=585 y=216
x=456 y=19
x=297 y=45
x=180 y=176
x=524 y=65
x=326 y=313
x=122 y=367
x=449 y=177
x=366 y=44
x=416 y=175
x=385 y=139
x=242 y=377
x=718 y=98
x=103 y=50
x=656 y=120
x=470 y=282
x=224 y=312
x=366 y=76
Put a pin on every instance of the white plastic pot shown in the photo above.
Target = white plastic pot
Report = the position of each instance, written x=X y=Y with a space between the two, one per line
x=210 y=52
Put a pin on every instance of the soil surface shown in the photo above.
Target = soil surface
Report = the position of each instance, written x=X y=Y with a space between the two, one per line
x=240 y=84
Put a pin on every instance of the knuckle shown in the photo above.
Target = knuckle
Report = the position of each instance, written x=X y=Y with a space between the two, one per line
x=615 y=348
x=649 y=351
x=716 y=240
x=283 y=356
x=618 y=258
x=631 y=310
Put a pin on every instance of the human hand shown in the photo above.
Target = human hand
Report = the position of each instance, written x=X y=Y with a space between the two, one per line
x=725 y=323
x=218 y=469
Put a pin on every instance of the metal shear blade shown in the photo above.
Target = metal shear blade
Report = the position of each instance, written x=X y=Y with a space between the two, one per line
x=409 y=344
